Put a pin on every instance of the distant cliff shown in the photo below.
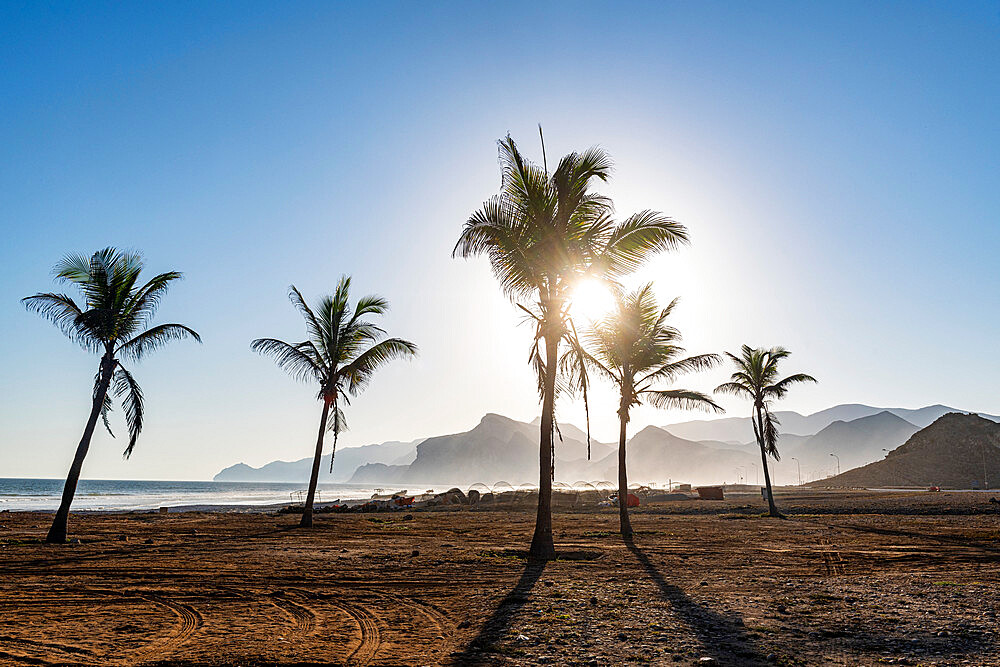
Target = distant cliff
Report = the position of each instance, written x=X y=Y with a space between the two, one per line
x=348 y=460
x=502 y=449
x=958 y=451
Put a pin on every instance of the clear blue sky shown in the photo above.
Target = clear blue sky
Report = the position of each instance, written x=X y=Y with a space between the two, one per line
x=838 y=167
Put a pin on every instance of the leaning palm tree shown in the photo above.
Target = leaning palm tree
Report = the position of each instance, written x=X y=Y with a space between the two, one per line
x=637 y=350
x=756 y=377
x=342 y=353
x=111 y=322
x=543 y=234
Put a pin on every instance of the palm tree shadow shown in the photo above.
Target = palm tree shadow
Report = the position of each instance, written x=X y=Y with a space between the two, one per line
x=499 y=621
x=950 y=540
x=723 y=638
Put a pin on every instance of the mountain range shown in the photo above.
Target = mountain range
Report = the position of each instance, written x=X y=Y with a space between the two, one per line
x=738 y=429
x=855 y=442
x=348 y=460
x=499 y=448
x=958 y=451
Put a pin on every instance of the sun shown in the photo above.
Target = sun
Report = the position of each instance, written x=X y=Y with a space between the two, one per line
x=591 y=301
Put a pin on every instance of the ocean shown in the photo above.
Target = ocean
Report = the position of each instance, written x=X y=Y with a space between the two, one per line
x=115 y=495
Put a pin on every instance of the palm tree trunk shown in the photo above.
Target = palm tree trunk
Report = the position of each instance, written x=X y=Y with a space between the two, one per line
x=57 y=532
x=542 y=546
x=307 y=511
x=772 y=508
x=624 y=523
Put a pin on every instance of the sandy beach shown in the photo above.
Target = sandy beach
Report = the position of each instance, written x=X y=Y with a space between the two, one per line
x=850 y=578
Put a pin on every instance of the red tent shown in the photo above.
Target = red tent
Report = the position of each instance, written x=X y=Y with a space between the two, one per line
x=631 y=500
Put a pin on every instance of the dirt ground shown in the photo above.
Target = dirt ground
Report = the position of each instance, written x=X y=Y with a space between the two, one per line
x=848 y=579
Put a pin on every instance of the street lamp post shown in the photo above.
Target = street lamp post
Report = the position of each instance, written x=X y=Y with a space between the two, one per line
x=756 y=475
x=799 y=466
x=838 y=462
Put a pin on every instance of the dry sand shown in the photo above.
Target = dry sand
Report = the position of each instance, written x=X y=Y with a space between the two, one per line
x=849 y=579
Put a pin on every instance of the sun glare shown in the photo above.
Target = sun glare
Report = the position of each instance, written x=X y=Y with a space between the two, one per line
x=592 y=301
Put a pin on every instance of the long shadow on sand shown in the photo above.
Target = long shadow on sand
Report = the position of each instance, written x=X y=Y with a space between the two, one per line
x=723 y=638
x=498 y=622
x=920 y=536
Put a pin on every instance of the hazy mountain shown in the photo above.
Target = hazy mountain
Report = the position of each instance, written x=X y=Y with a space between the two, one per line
x=956 y=451
x=348 y=460
x=738 y=429
x=655 y=455
x=503 y=449
x=498 y=448
x=927 y=416
x=856 y=442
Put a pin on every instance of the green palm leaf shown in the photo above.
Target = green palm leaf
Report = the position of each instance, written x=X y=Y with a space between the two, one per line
x=128 y=391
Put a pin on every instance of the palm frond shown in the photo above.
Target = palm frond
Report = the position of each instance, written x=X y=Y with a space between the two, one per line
x=494 y=231
x=130 y=394
x=62 y=311
x=780 y=388
x=153 y=339
x=314 y=328
x=770 y=434
x=337 y=425
x=360 y=371
x=680 y=399
x=141 y=305
x=301 y=360
x=734 y=388
x=73 y=267
x=106 y=405
x=574 y=365
x=639 y=236
x=674 y=369
x=372 y=304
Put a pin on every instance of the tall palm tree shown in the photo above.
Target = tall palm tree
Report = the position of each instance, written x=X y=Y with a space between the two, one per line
x=543 y=234
x=342 y=353
x=111 y=322
x=756 y=377
x=637 y=350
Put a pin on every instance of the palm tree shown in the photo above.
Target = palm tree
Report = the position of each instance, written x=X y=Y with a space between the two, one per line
x=756 y=377
x=543 y=234
x=342 y=353
x=111 y=322
x=637 y=350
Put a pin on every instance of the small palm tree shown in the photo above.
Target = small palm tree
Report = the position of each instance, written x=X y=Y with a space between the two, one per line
x=111 y=322
x=637 y=350
x=756 y=377
x=342 y=354
x=542 y=234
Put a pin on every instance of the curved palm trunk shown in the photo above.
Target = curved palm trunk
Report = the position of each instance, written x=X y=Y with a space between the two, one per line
x=771 y=507
x=57 y=532
x=542 y=547
x=625 y=524
x=307 y=511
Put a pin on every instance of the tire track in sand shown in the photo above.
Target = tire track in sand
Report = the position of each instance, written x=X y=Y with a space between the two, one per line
x=440 y=625
x=188 y=622
x=368 y=629
x=831 y=559
x=303 y=618
x=39 y=646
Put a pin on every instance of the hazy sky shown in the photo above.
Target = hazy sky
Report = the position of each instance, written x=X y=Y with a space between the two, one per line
x=838 y=168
